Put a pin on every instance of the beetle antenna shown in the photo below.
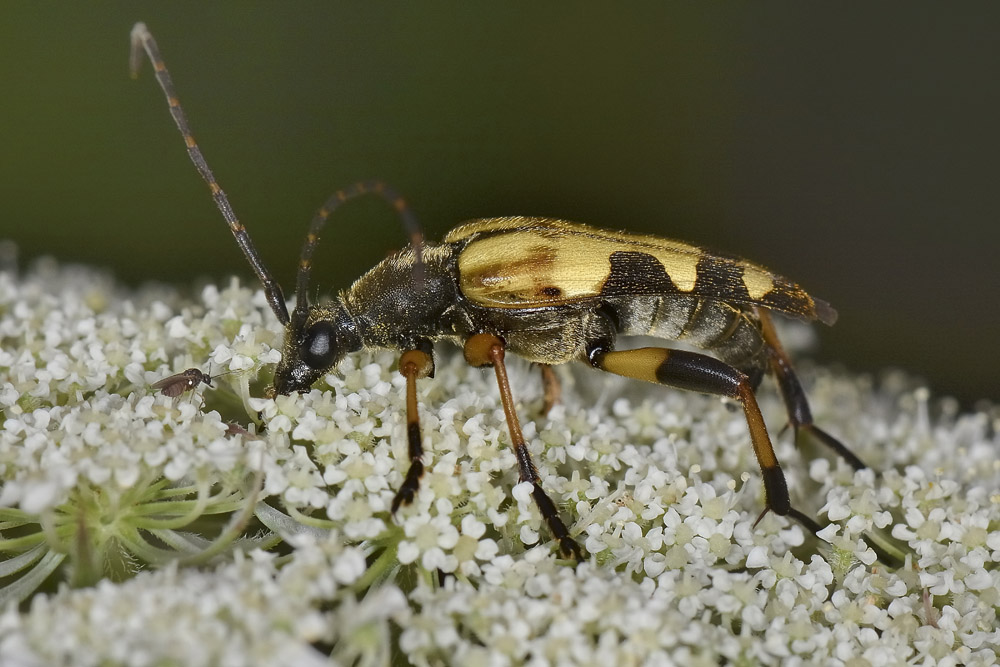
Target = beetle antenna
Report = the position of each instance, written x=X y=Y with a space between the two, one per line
x=393 y=198
x=143 y=40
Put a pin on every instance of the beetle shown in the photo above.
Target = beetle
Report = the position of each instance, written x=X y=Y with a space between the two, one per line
x=549 y=291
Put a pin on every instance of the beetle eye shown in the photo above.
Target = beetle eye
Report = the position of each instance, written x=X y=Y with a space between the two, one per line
x=318 y=349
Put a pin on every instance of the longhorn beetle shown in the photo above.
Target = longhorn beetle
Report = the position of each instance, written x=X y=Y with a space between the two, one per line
x=549 y=291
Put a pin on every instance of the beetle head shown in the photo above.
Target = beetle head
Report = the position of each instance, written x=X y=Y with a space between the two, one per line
x=315 y=342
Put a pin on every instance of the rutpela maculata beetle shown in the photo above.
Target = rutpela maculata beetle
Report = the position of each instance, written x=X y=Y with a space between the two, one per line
x=550 y=292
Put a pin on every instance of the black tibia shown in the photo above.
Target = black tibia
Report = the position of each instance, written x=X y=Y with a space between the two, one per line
x=799 y=414
x=413 y=364
x=707 y=375
x=488 y=350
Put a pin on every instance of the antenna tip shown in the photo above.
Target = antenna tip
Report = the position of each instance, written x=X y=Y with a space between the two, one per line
x=138 y=38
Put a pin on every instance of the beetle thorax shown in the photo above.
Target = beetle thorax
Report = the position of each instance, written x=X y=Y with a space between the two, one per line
x=394 y=306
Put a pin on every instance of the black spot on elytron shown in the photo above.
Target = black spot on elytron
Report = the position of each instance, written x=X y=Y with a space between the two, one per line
x=721 y=277
x=640 y=273
x=551 y=291
x=724 y=279
x=636 y=273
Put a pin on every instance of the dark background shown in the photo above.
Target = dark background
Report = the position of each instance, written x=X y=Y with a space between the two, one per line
x=853 y=152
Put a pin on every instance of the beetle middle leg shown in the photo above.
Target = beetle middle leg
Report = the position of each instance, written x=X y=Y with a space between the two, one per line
x=488 y=350
x=708 y=375
x=799 y=414
x=551 y=388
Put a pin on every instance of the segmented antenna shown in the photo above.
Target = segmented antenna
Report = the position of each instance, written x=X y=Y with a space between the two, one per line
x=143 y=40
x=410 y=225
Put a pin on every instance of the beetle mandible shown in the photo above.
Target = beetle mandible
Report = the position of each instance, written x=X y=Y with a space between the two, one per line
x=549 y=291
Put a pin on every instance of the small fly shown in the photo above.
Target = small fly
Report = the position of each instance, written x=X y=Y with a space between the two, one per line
x=177 y=384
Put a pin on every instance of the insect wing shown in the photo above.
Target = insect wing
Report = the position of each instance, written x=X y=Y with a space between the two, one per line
x=526 y=262
x=173 y=386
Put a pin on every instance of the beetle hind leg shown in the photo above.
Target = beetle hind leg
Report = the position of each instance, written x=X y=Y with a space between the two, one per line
x=707 y=375
x=799 y=415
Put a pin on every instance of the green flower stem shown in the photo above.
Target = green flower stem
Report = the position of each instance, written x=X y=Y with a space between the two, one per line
x=22 y=543
x=306 y=520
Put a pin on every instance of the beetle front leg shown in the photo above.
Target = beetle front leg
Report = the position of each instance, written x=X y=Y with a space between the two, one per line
x=707 y=375
x=799 y=414
x=488 y=350
x=413 y=364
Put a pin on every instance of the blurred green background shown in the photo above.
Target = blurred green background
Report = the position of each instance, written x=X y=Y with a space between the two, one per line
x=854 y=152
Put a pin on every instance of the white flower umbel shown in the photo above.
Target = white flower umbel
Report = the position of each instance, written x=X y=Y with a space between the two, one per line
x=219 y=527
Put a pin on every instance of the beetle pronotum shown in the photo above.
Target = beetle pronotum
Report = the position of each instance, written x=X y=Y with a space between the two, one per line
x=549 y=291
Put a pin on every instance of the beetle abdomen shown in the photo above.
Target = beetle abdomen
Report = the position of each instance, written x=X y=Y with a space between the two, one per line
x=729 y=332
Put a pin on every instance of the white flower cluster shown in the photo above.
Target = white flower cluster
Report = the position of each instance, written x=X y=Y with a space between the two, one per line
x=659 y=487
x=252 y=610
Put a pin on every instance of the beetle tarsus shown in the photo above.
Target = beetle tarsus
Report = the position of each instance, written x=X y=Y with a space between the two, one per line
x=408 y=489
x=799 y=415
x=833 y=443
x=568 y=547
